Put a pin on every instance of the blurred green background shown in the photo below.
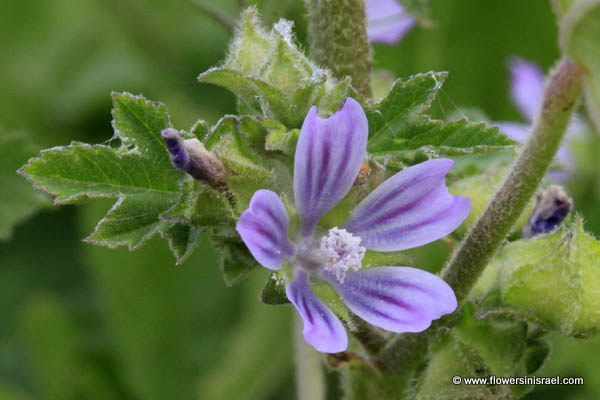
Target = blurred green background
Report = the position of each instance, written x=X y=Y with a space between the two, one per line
x=84 y=322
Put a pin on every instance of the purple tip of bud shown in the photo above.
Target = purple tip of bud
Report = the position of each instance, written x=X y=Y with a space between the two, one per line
x=551 y=208
x=179 y=157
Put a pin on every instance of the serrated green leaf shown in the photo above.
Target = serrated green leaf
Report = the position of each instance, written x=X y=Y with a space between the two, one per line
x=553 y=280
x=138 y=173
x=183 y=239
x=398 y=128
x=18 y=200
x=579 y=33
x=139 y=122
x=132 y=220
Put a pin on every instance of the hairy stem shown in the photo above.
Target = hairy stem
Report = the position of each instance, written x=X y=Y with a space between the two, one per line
x=563 y=89
x=310 y=381
x=562 y=92
x=338 y=40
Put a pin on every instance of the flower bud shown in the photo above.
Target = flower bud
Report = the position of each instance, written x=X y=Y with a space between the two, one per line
x=190 y=155
x=551 y=207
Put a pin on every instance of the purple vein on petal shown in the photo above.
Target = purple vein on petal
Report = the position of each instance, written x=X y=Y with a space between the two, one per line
x=410 y=209
x=328 y=157
x=264 y=229
x=322 y=328
x=417 y=298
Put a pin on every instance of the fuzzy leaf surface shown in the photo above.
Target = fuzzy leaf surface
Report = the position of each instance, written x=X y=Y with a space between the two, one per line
x=398 y=128
x=138 y=174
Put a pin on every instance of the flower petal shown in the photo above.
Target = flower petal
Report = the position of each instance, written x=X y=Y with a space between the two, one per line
x=387 y=21
x=322 y=328
x=264 y=229
x=397 y=299
x=410 y=209
x=329 y=155
x=526 y=86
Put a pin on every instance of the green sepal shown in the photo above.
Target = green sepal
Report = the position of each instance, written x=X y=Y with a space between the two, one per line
x=553 y=280
x=280 y=138
x=273 y=293
x=271 y=77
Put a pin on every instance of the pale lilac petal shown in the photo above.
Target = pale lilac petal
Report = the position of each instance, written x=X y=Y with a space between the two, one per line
x=264 y=229
x=410 y=209
x=322 y=328
x=387 y=21
x=397 y=299
x=329 y=155
x=526 y=86
x=514 y=130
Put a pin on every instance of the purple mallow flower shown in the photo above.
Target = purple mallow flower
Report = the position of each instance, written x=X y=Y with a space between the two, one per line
x=526 y=91
x=410 y=209
x=387 y=21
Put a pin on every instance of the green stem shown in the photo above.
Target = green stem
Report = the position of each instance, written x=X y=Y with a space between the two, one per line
x=563 y=89
x=338 y=40
x=310 y=381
